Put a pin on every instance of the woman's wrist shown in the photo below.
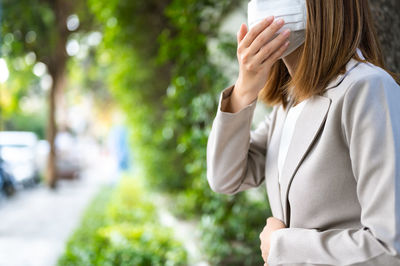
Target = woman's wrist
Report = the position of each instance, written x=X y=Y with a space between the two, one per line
x=240 y=98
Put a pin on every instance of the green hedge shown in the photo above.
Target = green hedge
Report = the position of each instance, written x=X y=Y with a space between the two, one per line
x=120 y=227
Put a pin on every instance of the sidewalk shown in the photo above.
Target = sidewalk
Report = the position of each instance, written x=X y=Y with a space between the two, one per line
x=36 y=223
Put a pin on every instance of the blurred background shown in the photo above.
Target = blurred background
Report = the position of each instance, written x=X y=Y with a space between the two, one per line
x=105 y=110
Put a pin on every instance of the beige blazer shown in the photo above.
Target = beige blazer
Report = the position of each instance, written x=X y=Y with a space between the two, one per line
x=340 y=188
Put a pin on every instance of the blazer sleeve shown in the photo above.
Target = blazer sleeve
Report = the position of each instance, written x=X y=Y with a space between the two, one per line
x=235 y=154
x=371 y=126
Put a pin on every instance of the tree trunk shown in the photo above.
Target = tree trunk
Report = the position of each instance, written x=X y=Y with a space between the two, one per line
x=387 y=22
x=58 y=84
x=56 y=67
x=51 y=177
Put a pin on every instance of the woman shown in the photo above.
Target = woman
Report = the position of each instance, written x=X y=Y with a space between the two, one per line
x=330 y=149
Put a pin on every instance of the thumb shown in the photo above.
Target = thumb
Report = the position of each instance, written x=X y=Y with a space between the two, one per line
x=241 y=33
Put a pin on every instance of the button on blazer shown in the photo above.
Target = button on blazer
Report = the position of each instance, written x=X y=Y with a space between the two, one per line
x=340 y=188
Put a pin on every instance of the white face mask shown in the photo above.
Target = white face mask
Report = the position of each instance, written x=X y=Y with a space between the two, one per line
x=293 y=12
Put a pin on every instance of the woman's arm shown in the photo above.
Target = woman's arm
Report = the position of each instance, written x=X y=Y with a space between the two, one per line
x=371 y=125
x=235 y=155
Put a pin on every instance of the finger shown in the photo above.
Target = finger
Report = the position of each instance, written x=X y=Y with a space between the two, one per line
x=273 y=222
x=264 y=256
x=275 y=219
x=262 y=234
x=256 y=30
x=266 y=36
x=275 y=56
x=241 y=33
x=263 y=251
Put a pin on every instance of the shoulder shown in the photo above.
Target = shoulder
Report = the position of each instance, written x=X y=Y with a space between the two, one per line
x=365 y=79
x=365 y=73
x=369 y=100
x=369 y=83
x=363 y=96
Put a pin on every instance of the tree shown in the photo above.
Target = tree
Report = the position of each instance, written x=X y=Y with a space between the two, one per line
x=42 y=29
x=388 y=24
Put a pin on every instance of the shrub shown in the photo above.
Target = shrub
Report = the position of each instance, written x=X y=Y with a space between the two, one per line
x=120 y=227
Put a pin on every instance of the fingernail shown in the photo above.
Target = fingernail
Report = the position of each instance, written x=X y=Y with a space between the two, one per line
x=269 y=19
x=279 y=22
x=286 y=33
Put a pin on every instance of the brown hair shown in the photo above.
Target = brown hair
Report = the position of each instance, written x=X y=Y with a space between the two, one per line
x=335 y=29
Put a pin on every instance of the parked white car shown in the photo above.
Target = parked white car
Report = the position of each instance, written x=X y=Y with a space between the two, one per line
x=18 y=151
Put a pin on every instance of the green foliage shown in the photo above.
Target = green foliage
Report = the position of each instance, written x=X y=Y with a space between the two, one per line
x=28 y=36
x=34 y=122
x=35 y=32
x=85 y=245
x=231 y=233
x=230 y=224
x=139 y=82
x=21 y=99
x=161 y=73
x=121 y=227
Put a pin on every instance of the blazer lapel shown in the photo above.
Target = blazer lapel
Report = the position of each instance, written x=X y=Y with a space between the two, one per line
x=309 y=123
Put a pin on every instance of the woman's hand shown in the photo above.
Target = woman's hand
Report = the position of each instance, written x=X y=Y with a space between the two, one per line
x=256 y=54
x=273 y=224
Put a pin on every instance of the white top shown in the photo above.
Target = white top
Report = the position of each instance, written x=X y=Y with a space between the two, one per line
x=287 y=133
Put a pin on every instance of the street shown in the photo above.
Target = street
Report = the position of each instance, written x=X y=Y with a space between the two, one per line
x=36 y=223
